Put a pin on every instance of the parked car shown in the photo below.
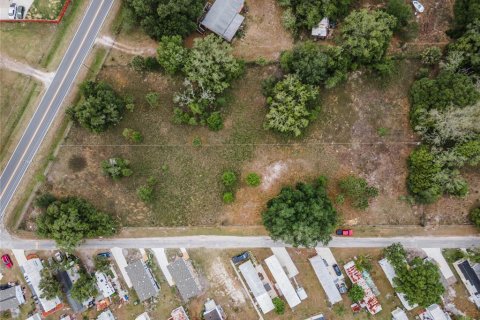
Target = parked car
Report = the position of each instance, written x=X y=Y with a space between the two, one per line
x=241 y=257
x=344 y=232
x=337 y=270
x=104 y=254
x=20 y=12
x=7 y=261
x=12 y=10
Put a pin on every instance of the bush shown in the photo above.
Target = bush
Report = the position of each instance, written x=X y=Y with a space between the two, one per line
x=431 y=55
x=465 y=13
x=475 y=217
x=229 y=178
x=358 y=190
x=228 y=197
x=470 y=151
x=356 y=293
x=215 y=121
x=422 y=180
x=116 y=168
x=253 y=179
x=171 y=55
x=279 y=305
x=401 y=11
x=152 y=99
x=463 y=53
x=132 y=135
x=142 y=64
x=44 y=200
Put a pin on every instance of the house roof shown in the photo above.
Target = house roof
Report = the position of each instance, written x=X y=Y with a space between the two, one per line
x=283 y=282
x=178 y=314
x=285 y=261
x=399 y=314
x=143 y=316
x=223 y=18
x=36 y=316
x=185 y=278
x=470 y=274
x=142 y=279
x=104 y=285
x=436 y=313
x=364 y=280
x=213 y=314
x=106 y=315
x=256 y=286
x=326 y=279
x=66 y=280
x=11 y=298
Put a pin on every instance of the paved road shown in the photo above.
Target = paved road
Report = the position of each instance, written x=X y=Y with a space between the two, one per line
x=52 y=100
x=219 y=242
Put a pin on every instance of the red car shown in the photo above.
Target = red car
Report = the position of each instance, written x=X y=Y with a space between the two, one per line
x=344 y=232
x=7 y=261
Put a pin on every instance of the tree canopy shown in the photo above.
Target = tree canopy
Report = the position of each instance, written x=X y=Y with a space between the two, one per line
x=116 y=168
x=69 y=221
x=84 y=288
x=423 y=173
x=49 y=285
x=166 y=17
x=291 y=106
x=171 y=54
x=301 y=216
x=465 y=12
x=465 y=51
x=356 y=293
x=101 y=107
x=395 y=254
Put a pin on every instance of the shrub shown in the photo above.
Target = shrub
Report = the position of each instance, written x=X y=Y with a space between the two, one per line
x=431 y=55
x=215 y=121
x=44 y=200
x=253 y=179
x=470 y=151
x=229 y=178
x=356 y=293
x=279 y=305
x=171 y=55
x=228 y=197
x=475 y=217
x=152 y=99
x=358 y=190
x=145 y=192
x=401 y=11
x=422 y=180
x=132 y=135
x=116 y=168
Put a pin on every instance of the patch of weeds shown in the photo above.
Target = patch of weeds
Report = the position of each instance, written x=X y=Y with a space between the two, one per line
x=77 y=163
x=197 y=142
x=408 y=199
x=382 y=131
x=340 y=199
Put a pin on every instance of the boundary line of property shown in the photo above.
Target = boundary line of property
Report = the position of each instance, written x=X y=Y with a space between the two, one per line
x=55 y=21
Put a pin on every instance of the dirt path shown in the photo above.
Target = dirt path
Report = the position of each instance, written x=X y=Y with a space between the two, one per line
x=13 y=65
x=109 y=42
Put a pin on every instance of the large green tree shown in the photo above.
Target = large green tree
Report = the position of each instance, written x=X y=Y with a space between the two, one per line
x=366 y=35
x=84 y=288
x=465 y=51
x=301 y=216
x=166 y=17
x=396 y=255
x=49 y=286
x=465 y=13
x=171 y=54
x=291 y=106
x=69 y=221
x=101 y=107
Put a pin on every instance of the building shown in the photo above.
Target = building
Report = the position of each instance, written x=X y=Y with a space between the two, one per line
x=283 y=283
x=185 y=278
x=178 y=314
x=11 y=298
x=470 y=277
x=68 y=278
x=321 y=30
x=391 y=274
x=363 y=279
x=143 y=316
x=32 y=273
x=285 y=261
x=223 y=18
x=326 y=279
x=36 y=316
x=256 y=286
x=399 y=314
x=434 y=312
x=317 y=317
x=435 y=255
x=104 y=285
x=142 y=280
x=106 y=315
x=213 y=311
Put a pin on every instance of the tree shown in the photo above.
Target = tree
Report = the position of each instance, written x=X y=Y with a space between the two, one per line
x=132 y=135
x=70 y=220
x=211 y=64
x=465 y=13
x=229 y=178
x=291 y=106
x=364 y=263
x=356 y=293
x=253 y=179
x=171 y=55
x=49 y=286
x=101 y=107
x=358 y=190
x=44 y=200
x=84 y=288
x=142 y=64
x=301 y=216
x=316 y=65
x=465 y=50
x=470 y=151
x=431 y=55
x=228 y=197
x=279 y=305
x=116 y=168
x=152 y=99
x=401 y=11
x=215 y=121
x=420 y=282
x=396 y=255
x=474 y=216
x=102 y=264
x=145 y=192
x=166 y=17
x=423 y=173
x=366 y=35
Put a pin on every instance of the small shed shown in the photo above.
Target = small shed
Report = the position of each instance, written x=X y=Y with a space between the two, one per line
x=321 y=30
x=224 y=18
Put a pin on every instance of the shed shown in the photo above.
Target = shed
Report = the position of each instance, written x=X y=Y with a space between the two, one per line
x=178 y=314
x=326 y=279
x=11 y=298
x=321 y=30
x=185 y=278
x=283 y=282
x=142 y=279
x=399 y=314
x=391 y=274
x=256 y=286
x=285 y=261
x=224 y=18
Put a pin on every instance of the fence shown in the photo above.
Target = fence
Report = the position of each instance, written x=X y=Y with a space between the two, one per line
x=55 y=21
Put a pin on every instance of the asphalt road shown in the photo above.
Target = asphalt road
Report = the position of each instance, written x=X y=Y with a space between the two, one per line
x=52 y=100
x=219 y=242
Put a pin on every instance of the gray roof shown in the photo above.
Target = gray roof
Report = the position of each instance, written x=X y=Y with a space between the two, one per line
x=185 y=278
x=213 y=314
x=67 y=283
x=142 y=279
x=8 y=299
x=223 y=18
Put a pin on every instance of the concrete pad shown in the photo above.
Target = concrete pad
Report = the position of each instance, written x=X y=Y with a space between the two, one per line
x=162 y=261
x=122 y=264
x=20 y=256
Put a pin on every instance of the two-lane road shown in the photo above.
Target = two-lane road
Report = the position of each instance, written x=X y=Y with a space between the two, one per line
x=52 y=100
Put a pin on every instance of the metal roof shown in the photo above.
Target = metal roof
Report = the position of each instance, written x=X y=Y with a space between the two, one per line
x=470 y=274
x=283 y=282
x=436 y=313
x=11 y=298
x=285 y=261
x=185 y=278
x=104 y=285
x=326 y=279
x=399 y=314
x=223 y=18
x=142 y=279
x=106 y=315
x=256 y=286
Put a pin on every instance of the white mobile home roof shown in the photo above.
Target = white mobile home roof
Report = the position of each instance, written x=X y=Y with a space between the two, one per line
x=399 y=314
x=256 y=286
x=326 y=279
x=285 y=261
x=391 y=274
x=283 y=282
x=436 y=313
